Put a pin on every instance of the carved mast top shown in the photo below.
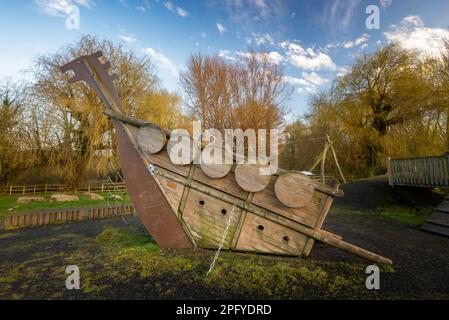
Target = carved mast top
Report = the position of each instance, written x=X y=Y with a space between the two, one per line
x=89 y=69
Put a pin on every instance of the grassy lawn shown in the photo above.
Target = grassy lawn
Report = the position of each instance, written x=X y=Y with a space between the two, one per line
x=10 y=202
x=406 y=215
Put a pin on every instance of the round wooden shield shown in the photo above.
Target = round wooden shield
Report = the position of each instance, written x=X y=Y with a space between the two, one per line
x=216 y=170
x=151 y=139
x=294 y=189
x=181 y=150
x=249 y=178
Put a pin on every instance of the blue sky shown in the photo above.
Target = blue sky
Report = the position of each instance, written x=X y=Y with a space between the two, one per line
x=313 y=40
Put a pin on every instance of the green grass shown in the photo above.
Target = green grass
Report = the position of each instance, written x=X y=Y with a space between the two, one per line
x=406 y=215
x=237 y=274
x=10 y=202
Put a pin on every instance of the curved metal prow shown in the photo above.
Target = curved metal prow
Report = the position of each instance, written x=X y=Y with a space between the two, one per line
x=148 y=198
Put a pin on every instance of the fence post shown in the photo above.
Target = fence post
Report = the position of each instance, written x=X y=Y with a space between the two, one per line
x=34 y=190
x=23 y=190
x=46 y=187
x=88 y=188
x=389 y=172
x=102 y=187
x=10 y=190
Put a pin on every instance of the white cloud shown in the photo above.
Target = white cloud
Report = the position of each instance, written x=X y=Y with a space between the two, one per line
x=360 y=41
x=262 y=6
x=357 y=42
x=308 y=83
x=226 y=54
x=412 y=35
x=182 y=12
x=60 y=8
x=313 y=78
x=261 y=39
x=174 y=8
x=203 y=35
x=412 y=21
x=170 y=6
x=385 y=3
x=307 y=59
x=127 y=38
x=162 y=61
x=339 y=13
x=85 y=3
x=342 y=71
x=273 y=56
x=221 y=28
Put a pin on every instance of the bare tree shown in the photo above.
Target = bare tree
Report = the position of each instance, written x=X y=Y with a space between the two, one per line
x=250 y=93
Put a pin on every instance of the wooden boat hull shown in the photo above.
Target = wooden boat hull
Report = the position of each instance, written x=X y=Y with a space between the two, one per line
x=182 y=207
x=199 y=207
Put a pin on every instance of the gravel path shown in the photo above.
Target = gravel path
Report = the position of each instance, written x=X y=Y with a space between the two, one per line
x=421 y=260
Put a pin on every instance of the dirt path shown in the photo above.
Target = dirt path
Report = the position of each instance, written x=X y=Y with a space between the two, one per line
x=32 y=264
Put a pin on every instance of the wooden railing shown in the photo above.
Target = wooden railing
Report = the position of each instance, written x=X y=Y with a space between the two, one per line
x=51 y=188
x=427 y=172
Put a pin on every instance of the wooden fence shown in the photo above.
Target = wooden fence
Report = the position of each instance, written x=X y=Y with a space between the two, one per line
x=42 y=218
x=48 y=188
x=427 y=172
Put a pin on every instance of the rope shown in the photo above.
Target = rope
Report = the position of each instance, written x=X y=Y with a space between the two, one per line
x=217 y=254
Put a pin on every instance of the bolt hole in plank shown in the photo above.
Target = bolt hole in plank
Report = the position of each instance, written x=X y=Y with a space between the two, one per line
x=223 y=211
x=286 y=238
x=201 y=202
x=261 y=227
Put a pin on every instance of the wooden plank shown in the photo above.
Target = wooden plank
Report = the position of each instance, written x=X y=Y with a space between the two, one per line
x=439 y=218
x=436 y=229
x=389 y=172
x=174 y=190
x=319 y=224
x=444 y=170
x=161 y=159
x=241 y=221
x=227 y=184
x=261 y=235
x=429 y=171
x=206 y=218
x=421 y=172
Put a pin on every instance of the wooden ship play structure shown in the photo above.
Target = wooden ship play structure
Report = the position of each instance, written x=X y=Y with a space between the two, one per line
x=212 y=206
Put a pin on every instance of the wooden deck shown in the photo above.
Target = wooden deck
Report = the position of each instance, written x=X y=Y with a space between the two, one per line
x=427 y=172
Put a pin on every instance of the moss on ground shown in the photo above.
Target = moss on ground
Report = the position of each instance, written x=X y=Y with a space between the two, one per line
x=235 y=275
